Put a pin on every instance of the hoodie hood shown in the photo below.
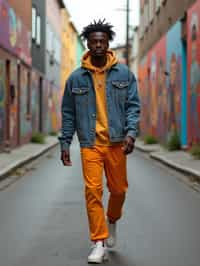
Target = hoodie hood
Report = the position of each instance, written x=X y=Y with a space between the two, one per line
x=111 y=60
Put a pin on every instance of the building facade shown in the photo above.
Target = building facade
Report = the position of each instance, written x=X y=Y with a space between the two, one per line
x=30 y=68
x=72 y=48
x=169 y=70
x=53 y=39
x=65 y=52
x=80 y=49
x=53 y=62
x=157 y=17
x=15 y=73
x=134 y=51
x=120 y=52
x=38 y=90
x=39 y=35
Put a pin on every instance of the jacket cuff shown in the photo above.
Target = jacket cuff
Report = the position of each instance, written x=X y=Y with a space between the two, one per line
x=131 y=134
x=64 y=146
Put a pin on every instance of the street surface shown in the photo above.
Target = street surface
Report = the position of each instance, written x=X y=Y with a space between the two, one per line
x=43 y=219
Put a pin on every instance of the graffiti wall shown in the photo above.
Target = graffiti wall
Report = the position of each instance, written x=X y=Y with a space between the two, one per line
x=54 y=100
x=13 y=34
x=25 y=123
x=174 y=77
x=143 y=80
x=193 y=48
x=160 y=85
x=2 y=101
x=154 y=93
x=157 y=85
x=14 y=97
x=46 y=107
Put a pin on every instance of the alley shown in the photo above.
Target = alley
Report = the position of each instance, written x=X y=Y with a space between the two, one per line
x=43 y=219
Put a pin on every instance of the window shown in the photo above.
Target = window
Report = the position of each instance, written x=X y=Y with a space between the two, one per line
x=38 y=35
x=33 y=23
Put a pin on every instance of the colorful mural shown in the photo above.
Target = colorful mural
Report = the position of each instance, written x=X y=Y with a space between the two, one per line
x=174 y=84
x=25 y=125
x=157 y=83
x=2 y=101
x=160 y=75
x=54 y=101
x=193 y=50
x=13 y=104
x=13 y=34
x=143 y=80
x=45 y=102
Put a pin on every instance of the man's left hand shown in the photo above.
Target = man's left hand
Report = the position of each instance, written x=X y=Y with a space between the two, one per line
x=129 y=145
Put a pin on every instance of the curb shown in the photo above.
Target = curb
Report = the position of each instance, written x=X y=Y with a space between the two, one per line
x=152 y=154
x=145 y=149
x=4 y=173
x=180 y=168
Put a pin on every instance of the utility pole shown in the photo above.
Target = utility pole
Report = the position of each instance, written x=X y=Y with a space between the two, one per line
x=127 y=32
x=127 y=48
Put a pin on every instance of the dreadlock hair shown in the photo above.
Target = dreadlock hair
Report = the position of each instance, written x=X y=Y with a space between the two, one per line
x=96 y=26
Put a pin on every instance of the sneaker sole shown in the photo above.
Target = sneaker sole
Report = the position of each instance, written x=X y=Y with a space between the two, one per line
x=105 y=258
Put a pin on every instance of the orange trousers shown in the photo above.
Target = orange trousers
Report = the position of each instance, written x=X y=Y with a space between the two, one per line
x=112 y=160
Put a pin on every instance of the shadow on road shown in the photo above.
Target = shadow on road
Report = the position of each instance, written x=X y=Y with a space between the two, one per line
x=115 y=258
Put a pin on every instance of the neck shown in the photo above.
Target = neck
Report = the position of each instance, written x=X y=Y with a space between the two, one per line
x=99 y=61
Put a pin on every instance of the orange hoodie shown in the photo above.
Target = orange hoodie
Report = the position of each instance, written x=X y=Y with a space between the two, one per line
x=99 y=79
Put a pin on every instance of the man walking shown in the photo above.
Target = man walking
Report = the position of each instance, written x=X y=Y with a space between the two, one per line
x=101 y=104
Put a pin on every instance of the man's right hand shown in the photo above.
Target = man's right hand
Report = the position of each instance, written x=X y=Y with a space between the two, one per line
x=65 y=158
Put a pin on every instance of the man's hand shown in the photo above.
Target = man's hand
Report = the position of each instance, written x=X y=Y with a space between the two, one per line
x=65 y=158
x=129 y=145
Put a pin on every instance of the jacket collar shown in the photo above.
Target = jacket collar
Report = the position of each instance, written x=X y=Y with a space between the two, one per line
x=86 y=71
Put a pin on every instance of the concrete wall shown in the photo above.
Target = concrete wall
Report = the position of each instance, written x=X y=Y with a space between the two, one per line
x=163 y=20
x=193 y=50
x=53 y=35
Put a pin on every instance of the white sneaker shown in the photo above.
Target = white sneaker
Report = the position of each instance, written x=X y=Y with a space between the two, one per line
x=98 y=253
x=111 y=240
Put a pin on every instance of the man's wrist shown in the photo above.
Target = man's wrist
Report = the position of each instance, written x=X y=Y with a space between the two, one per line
x=132 y=138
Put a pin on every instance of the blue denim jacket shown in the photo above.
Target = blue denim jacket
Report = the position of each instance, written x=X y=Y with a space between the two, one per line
x=79 y=106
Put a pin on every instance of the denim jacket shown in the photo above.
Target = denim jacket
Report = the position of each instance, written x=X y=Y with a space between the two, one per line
x=79 y=106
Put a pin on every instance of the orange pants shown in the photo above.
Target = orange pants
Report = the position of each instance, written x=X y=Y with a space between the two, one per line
x=113 y=161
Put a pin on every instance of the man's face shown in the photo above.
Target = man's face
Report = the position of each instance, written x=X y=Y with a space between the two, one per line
x=98 y=43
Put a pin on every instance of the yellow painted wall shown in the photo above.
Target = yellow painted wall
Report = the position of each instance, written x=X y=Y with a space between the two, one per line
x=68 y=53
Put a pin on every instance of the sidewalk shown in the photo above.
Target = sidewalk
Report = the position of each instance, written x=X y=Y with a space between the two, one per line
x=24 y=154
x=178 y=160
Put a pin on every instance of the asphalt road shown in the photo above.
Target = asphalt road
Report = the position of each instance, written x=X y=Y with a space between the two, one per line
x=43 y=219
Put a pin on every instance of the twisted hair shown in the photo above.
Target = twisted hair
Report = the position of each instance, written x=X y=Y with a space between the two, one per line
x=96 y=26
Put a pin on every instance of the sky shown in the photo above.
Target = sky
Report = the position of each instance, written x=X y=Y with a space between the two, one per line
x=85 y=11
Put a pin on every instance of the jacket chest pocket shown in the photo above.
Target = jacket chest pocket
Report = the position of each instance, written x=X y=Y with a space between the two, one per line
x=80 y=95
x=120 y=89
